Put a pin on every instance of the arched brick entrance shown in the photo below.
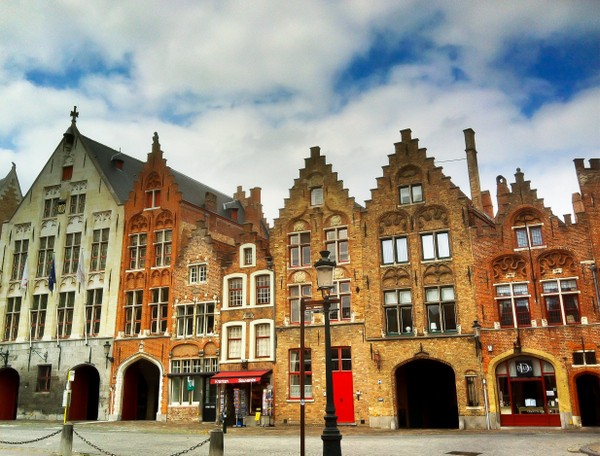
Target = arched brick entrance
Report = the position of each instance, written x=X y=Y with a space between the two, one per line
x=9 y=392
x=141 y=391
x=426 y=392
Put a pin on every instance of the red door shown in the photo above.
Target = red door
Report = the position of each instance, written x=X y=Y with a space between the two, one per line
x=9 y=389
x=343 y=394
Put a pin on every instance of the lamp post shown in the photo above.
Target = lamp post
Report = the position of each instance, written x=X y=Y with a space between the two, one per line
x=106 y=352
x=331 y=434
x=4 y=355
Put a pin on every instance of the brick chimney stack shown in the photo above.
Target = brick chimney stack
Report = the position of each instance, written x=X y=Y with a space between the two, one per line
x=473 y=168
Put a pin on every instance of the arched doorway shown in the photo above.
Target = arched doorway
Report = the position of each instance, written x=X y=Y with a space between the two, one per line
x=85 y=394
x=426 y=392
x=9 y=392
x=140 y=391
x=527 y=392
x=588 y=393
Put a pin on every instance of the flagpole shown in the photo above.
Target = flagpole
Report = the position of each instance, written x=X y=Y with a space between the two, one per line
x=80 y=282
x=51 y=284
x=25 y=286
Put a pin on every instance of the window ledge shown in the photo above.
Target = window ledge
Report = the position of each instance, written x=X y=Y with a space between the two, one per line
x=585 y=365
x=297 y=401
x=479 y=407
x=191 y=284
x=436 y=260
x=159 y=267
x=521 y=249
x=193 y=404
x=296 y=268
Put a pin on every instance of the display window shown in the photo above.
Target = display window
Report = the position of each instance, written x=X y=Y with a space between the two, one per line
x=527 y=393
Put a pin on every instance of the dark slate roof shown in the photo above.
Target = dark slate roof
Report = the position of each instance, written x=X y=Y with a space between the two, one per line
x=121 y=180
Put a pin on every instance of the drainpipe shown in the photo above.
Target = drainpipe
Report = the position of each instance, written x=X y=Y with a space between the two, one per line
x=594 y=269
x=487 y=409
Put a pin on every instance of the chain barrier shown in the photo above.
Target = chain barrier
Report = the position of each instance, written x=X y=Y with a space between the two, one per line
x=34 y=440
x=113 y=454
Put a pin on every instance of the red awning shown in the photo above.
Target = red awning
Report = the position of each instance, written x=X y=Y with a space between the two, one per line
x=238 y=377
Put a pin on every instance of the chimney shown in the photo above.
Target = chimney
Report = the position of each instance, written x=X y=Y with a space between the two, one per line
x=473 y=168
x=210 y=202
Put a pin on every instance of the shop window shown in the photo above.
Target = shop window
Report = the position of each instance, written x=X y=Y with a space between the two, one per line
x=66 y=305
x=513 y=304
x=436 y=246
x=153 y=198
x=137 y=250
x=195 y=319
x=185 y=387
x=298 y=292
x=67 y=173
x=12 y=317
x=529 y=236
x=585 y=358
x=45 y=254
x=236 y=297
x=234 y=342
x=72 y=247
x=394 y=250
x=159 y=307
x=51 y=207
x=343 y=310
x=562 y=301
x=99 y=249
x=398 y=312
x=316 y=196
x=38 y=315
x=299 y=248
x=472 y=391
x=263 y=289
x=262 y=333
x=133 y=312
x=163 y=247
x=19 y=259
x=337 y=244
x=196 y=274
x=441 y=312
x=77 y=204
x=295 y=374
x=93 y=311
x=526 y=387
x=410 y=194
x=44 y=378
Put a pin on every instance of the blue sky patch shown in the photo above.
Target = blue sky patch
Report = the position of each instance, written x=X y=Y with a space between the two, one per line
x=77 y=69
x=558 y=67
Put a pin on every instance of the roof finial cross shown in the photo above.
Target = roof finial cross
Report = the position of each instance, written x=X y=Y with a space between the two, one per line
x=74 y=114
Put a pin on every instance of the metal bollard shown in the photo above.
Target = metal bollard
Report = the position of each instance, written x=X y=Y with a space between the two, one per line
x=216 y=443
x=66 y=440
x=224 y=423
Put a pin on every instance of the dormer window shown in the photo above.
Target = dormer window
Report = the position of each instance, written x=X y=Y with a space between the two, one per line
x=316 y=196
x=153 y=198
x=410 y=194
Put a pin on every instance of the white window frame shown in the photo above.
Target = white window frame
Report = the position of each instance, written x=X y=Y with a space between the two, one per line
x=583 y=352
x=299 y=248
x=137 y=247
x=436 y=246
x=252 y=351
x=225 y=303
x=225 y=342
x=527 y=229
x=253 y=277
x=512 y=297
x=560 y=294
x=153 y=192
x=297 y=298
x=242 y=251
x=317 y=196
x=197 y=267
x=335 y=242
x=411 y=194
x=163 y=243
x=395 y=259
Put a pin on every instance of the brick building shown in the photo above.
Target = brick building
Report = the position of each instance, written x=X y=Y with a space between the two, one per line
x=73 y=214
x=166 y=303
x=319 y=215
x=537 y=290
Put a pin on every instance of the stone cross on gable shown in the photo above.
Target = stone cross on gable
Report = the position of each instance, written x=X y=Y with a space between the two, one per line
x=74 y=114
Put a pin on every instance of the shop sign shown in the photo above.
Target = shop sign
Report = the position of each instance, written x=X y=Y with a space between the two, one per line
x=524 y=368
x=218 y=381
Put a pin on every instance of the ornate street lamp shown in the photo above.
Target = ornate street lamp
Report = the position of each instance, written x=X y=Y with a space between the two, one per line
x=106 y=352
x=331 y=434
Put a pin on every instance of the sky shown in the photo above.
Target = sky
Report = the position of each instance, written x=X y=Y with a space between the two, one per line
x=239 y=91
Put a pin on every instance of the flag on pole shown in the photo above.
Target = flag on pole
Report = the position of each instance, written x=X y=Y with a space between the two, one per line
x=80 y=270
x=52 y=277
x=25 y=277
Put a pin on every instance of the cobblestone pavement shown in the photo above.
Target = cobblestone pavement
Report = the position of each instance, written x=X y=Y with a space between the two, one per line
x=148 y=438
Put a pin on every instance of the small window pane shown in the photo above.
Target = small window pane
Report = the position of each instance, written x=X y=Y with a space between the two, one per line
x=443 y=245
x=431 y=295
x=536 y=236
x=390 y=297
x=520 y=289
x=402 y=250
x=568 y=285
x=417 y=194
x=404 y=195
x=405 y=296
x=428 y=248
x=550 y=287
x=447 y=293
x=503 y=290
x=387 y=251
